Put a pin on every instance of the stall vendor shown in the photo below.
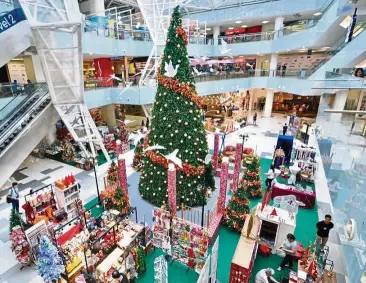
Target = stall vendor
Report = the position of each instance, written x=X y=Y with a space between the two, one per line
x=289 y=246
x=265 y=276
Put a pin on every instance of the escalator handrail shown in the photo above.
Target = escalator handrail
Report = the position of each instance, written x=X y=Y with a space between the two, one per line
x=21 y=119
x=340 y=46
x=20 y=93
x=20 y=105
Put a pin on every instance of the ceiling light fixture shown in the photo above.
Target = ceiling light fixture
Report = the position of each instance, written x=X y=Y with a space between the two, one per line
x=265 y=22
x=230 y=28
x=244 y=26
x=238 y=22
x=318 y=13
x=208 y=28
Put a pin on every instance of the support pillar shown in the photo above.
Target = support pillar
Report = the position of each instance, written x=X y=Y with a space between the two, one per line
x=215 y=163
x=278 y=27
x=51 y=136
x=237 y=167
x=269 y=103
x=339 y=103
x=97 y=7
x=251 y=95
x=125 y=61
x=223 y=185
x=216 y=34
x=122 y=174
x=103 y=70
x=172 y=189
x=118 y=147
x=273 y=65
x=109 y=115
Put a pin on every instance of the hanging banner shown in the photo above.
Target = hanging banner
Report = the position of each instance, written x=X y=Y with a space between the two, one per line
x=205 y=273
x=160 y=229
x=351 y=27
x=190 y=243
x=214 y=258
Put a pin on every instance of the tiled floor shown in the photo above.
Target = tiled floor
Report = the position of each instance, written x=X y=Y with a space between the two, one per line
x=39 y=172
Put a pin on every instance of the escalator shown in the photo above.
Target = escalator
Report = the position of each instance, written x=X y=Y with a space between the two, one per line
x=343 y=55
x=25 y=119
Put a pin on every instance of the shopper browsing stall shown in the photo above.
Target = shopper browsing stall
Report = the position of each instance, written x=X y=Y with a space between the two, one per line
x=323 y=228
x=270 y=176
x=265 y=276
x=289 y=246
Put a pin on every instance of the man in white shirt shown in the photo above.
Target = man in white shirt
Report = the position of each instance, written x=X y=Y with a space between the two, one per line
x=265 y=276
x=270 y=176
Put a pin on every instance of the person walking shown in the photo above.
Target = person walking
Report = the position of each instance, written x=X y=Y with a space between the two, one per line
x=255 y=119
x=323 y=227
x=289 y=246
x=265 y=276
x=14 y=195
x=270 y=176
x=284 y=67
x=285 y=127
x=353 y=125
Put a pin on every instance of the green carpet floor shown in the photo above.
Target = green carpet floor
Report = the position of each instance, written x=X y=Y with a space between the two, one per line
x=305 y=233
x=95 y=211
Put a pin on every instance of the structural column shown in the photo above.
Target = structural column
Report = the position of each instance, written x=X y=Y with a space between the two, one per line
x=237 y=167
x=278 y=27
x=122 y=174
x=109 y=115
x=273 y=65
x=216 y=34
x=339 y=103
x=97 y=7
x=172 y=189
x=215 y=163
x=269 y=103
x=223 y=185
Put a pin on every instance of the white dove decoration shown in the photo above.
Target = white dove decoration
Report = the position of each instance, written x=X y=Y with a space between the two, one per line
x=200 y=60
x=173 y=158
x=198 y=73
x=136 y=137
x=113 y=77
x=170 y=71
x=223 y=48
x=237 y=125
x=153 y=147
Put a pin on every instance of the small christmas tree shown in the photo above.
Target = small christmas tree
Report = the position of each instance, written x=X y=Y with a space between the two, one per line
x=237 y=210
x=50 y=265
x=68 y=151
x=20 y=246
x=209 y=177
x=15 y=220
x=121 y=202
x=251 y=180
x=121 y=132
x=138 y=155
x=112 y=176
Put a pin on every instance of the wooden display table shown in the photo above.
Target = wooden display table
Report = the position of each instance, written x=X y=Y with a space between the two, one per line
x=245 y=253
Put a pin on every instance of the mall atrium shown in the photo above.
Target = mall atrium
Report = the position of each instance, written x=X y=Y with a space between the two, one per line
x=182 y=141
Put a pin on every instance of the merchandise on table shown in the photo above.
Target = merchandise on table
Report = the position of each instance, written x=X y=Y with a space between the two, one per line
x=20 y=246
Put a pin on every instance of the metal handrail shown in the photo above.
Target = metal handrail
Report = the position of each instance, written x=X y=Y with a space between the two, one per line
x=26 y=115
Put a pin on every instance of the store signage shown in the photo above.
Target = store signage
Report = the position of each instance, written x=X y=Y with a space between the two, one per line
x=11 y=19
x=117 y=58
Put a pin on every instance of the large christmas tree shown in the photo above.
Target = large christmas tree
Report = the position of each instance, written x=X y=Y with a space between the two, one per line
x=251 y=180
x=236 y=210
x=175 y=124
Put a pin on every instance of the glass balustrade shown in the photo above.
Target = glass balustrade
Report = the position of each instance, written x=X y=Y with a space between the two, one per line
x=13 y=96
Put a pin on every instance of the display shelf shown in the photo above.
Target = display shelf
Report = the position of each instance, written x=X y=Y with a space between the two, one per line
x=281 y=224
x=66 y=198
